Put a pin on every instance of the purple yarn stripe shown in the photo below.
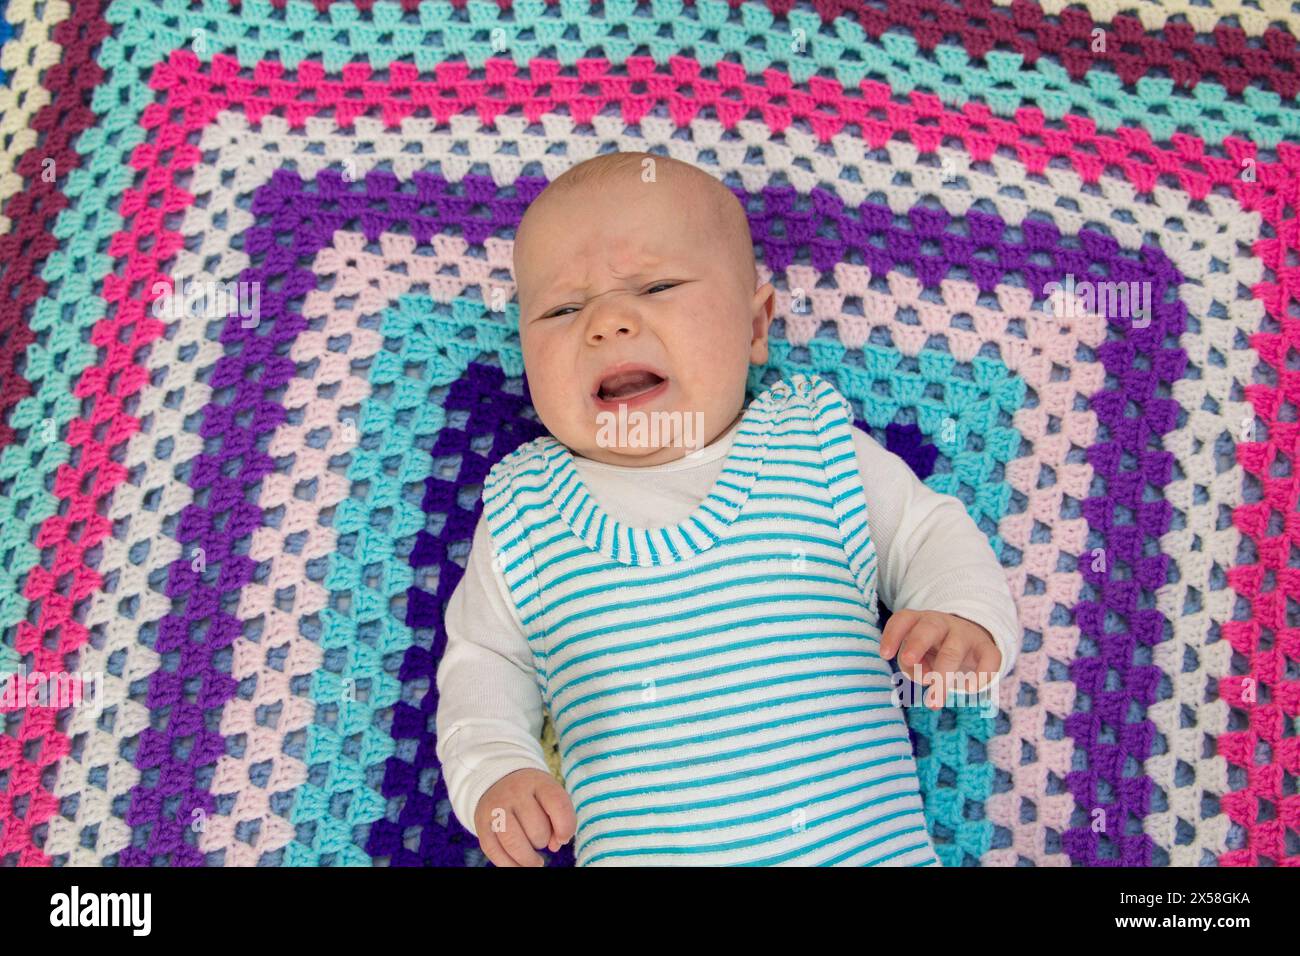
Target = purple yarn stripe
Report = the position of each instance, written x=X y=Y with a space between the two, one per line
x=191 y=689
x=816 y=228
x=496 y=413
x=821 y=229
x=1141 y=364
x=908 y=443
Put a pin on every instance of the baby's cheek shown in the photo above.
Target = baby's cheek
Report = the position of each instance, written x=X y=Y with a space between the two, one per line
x=542 y=388
x=541 y=356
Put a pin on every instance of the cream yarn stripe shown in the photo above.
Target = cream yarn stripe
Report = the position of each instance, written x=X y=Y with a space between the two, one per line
x=1202 y=550
x=1052 y=191
x=1154 y=14
x=25 y=56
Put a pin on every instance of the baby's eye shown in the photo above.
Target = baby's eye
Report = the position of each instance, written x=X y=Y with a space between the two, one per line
x=661 y=285
x=559 y=312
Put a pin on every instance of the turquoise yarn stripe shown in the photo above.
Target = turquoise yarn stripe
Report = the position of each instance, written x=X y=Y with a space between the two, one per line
x=710 y=31
x=363 y=646
x=966 y=408
x=441 y=34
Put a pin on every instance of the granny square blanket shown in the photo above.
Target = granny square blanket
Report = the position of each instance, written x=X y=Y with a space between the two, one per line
x=258 y=351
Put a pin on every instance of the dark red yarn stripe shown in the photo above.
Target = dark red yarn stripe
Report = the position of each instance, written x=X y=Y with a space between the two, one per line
x=34 y=208
x=1226 y=55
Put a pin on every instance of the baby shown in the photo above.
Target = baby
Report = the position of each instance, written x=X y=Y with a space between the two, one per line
x=688 y=584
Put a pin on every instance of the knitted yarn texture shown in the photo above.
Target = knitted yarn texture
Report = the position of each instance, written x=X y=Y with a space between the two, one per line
x=259 y=352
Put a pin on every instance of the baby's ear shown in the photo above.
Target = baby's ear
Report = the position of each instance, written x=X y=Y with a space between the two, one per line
x=762 y=307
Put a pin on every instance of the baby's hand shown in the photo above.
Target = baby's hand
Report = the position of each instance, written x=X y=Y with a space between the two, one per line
x=534 y=812
x=941 y=645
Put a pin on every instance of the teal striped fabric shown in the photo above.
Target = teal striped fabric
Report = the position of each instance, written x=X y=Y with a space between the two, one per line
x=716 y=685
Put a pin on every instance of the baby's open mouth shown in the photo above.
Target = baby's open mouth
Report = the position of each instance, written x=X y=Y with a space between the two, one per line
x=627 y=385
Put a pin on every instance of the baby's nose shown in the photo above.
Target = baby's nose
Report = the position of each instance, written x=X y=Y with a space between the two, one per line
x=598 y=335
x=610 y=320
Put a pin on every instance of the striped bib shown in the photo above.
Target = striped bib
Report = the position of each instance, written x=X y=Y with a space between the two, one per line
x=716 y=685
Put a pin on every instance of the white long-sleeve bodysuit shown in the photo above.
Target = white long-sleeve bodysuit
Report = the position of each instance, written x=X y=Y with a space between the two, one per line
x=929 y=555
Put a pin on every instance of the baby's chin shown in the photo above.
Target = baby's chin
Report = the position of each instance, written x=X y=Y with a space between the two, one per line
x=635 y=457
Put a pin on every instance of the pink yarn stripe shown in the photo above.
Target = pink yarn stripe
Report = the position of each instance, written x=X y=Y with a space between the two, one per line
x=547 y=86
x=96 y=441
x=1262 y=807
x=190 y=94
x=1031 y=698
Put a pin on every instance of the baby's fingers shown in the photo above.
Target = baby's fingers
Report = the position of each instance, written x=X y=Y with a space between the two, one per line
x=535 y=820
x=920 y=634
x=990 y=662
x=947 y=661
x=514 y=840
x=493 y=850
x=559 y=808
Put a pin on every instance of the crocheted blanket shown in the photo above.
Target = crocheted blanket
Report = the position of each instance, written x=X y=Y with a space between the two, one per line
x=258 y=350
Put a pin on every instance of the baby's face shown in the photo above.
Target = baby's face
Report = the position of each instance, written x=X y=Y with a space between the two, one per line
x=635 y=295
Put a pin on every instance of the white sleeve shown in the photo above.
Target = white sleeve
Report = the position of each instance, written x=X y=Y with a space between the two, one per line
x=490 y=709
x=931 y=556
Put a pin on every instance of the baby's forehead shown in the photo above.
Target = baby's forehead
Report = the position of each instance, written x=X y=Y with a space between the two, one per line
x=631 y=215
x=628 y=253
x=619 y=234
x=634 y=226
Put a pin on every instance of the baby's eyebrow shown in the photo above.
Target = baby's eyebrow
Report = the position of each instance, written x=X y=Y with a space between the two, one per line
x=563 y=291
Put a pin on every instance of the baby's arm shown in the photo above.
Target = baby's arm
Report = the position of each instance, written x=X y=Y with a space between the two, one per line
x=490 y=708
x=930 y=554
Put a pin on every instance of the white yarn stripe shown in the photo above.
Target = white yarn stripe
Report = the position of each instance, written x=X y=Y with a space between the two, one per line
x=25 y=56
x=1154 y=14
x=1062 y=188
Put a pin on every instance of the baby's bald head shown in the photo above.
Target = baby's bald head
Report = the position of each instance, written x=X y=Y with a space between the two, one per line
x=637 y=265
x=697 y=203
